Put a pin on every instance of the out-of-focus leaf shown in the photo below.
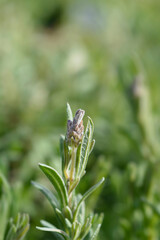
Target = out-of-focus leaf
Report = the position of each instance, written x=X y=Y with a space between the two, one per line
x=49 y=195
x=151 y=205
x=11 y=233
x=18 y=227
x=5 y=200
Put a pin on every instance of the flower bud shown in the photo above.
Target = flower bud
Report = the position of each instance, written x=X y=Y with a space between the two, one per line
x=75 y=129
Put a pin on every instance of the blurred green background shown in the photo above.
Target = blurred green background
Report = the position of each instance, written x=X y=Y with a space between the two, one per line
x=101 y=56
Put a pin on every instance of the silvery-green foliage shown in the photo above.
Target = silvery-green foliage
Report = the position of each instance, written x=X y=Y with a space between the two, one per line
x=10 y=229
x=5 y=200
x=68 y=205
x=17 y=227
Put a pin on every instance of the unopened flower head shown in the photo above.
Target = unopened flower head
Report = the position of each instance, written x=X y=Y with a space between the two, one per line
x=75 y=129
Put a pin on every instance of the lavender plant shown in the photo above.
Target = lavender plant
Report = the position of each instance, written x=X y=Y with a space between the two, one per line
x=10 y=229
x=68 y=205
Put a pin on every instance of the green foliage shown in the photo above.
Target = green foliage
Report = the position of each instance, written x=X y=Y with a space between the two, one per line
x=57 y=182
x=11 y=229
x=87 y=53
x=75 y=157
x=18 y=227
x=5 y=201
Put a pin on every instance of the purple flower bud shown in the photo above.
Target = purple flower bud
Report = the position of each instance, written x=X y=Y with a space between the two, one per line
x=75 y=129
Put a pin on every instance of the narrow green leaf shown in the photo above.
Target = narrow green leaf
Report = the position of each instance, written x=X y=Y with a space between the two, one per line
x=98 y=219
x=78 y=158
x=69 y=113
x=55 y=230
x=5 y=201
x=62 y=140
x=81 y=215
x=92 y=146
x=11 y=232
x=91 y=190
x=68 y=213
x=18 y=227
x=17 y=220
x=77 y=230
x=86 y=227
x=85 y=148
x=96 y=224
x=47 y=193
x=77 y=198
x=74 y=185
x=60 y=215
x=66 y=155
x=49 y=225
x=21 y=233
x=46 y=224
x=57 y=182
x=93 y=237
x=68 y=223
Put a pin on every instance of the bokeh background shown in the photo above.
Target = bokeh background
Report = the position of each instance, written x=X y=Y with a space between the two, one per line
x=102 y=56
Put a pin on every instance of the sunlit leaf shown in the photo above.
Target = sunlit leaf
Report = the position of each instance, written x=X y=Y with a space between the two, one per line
x=55 y=230
x=68 y=223
x=57 y=182
x=69 y=113
x=46 y=224
x=94 y=236
x=85 y=148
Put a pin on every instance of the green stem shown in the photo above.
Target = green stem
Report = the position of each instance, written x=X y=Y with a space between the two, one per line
x=72 y=171
x=73 y=161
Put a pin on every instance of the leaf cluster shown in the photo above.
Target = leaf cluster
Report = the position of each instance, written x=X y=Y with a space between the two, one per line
x=69 y=207
x=11 y=229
